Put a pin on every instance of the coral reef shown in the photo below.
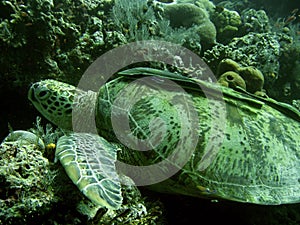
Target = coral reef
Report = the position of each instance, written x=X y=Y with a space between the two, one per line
x=268 y=43
x=59 y=39
x=48 y=39
x=260 y=50
x=27 y=188
x=33 y=188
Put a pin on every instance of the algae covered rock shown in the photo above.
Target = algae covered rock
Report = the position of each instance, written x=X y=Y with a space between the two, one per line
x=35 y=190
x=25 y=177
x=22 y=137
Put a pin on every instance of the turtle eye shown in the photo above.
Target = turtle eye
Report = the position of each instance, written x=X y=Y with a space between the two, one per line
x=229 y=78
x=42 y=94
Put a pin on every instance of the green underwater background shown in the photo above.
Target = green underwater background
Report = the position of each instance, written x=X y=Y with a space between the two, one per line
x=42 y=39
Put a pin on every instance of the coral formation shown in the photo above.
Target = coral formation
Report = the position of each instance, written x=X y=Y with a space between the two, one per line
x=231 y=74
x=253 y=78
x=177 y=14
x=227 y=65
x=135 y=19
x=254 y=21
x=260 y=50
x=232 y=80
x=26 y=179
x=198 y=17
x=227 y=23
x=143 y=20
x=49 y=39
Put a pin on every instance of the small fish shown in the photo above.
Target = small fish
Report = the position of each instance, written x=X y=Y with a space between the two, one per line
x=24 y=14
x=50 y=146
x=294 y=11
x=289 y=20
x=205 y=190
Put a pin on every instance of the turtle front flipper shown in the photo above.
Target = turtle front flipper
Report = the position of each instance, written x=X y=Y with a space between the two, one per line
x=89 y=161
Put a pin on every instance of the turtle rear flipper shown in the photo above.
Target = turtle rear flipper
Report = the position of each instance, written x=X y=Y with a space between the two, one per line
x=89 y=161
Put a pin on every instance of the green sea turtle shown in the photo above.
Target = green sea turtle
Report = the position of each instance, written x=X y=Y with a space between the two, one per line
x=256 y=161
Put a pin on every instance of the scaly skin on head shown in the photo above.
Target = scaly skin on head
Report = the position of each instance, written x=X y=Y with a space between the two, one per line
x=54 y=100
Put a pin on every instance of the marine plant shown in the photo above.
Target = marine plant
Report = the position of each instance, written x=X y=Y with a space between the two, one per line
x=142 y=20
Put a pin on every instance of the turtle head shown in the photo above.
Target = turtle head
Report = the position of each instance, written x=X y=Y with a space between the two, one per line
x=54 y=100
